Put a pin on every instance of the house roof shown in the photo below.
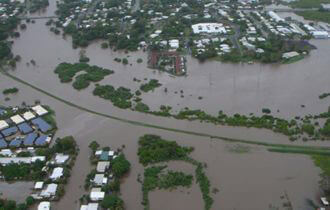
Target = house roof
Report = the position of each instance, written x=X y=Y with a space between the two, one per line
x=25 y=128
x=9 y=131
x=3 y=124
x=41 y=124
x=44 y=205
x=17 y=119
x=3 y=143
x=28 y=115
x=61 y=158
x=102 y=166
x=57 y=173
x=39 y=110
x=29 y=139
x=38 y=185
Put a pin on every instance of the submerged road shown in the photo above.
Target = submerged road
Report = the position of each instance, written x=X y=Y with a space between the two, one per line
x=142 y=124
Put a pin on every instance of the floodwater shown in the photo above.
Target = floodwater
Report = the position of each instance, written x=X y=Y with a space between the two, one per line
x=17 y=191
x=253 y=180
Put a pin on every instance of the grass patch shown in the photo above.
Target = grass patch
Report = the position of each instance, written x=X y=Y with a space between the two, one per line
x=66 y=72
x=150 y=86
x=315 y=15
x=309 y=3
x=10 y=91
x=300 y=150
x=154 y=149
x=119 y=97
x=154 y=178
x=293 y=59
x=324 y=95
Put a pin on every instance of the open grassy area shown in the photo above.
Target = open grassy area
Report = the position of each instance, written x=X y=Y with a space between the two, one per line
x=308 y=3
x=315 y=15
x=293 y=59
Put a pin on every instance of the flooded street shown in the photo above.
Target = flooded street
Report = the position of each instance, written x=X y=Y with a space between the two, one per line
x=253 y=180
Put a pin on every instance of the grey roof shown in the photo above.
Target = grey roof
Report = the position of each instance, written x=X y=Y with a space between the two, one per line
x=3 y=143
x=41 y=124
x=25 y=128
x=29 y=139
x=15 y=143
x=41 y=140
x=9 y=131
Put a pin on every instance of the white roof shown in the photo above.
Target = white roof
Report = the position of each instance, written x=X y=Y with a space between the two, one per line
x=61 y=158
x=3 y=124
x=57 y=173
x=39 y=110
x=98 y=152
x=7 y=160
x=96 y=196
x=90 y=206
x=102 y=166
x=17 y=119
x=6 y=152
x=208 y=28
x=99 y=179
x=38 y=185
x=49 y=191
x=45 y=205
x=28 y=115
x=324 y=201
x=111 y=153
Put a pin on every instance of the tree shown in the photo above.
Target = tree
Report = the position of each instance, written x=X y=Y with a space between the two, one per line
x=94 y=145
x=112 y=202
x=29 y=201
x=120 y=165
x=4 y=50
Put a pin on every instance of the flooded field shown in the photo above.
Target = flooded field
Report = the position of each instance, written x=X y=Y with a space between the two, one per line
x=17 y=191
x=232 y=88
x=255 y=179
x=251 y=180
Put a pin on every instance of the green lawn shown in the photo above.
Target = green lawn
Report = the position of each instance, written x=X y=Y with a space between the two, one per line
x=308 y=3
x=315 y=15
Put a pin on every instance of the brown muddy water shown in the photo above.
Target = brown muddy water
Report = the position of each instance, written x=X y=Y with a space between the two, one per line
x=253 y=180
x=17 y=191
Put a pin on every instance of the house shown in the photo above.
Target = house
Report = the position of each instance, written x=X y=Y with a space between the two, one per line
x=174 y=43
x=100 y=180
x=208 y=28
x=325 y=7
x=38 y=185
x=8 y=160
x=275 y=16
x=57 y=173
x=96 y=194
x=61 y=158
x=39 y=110
x=324 y=201
x=320 y=34
x=90 y=206
x=291 y=54
x=17 y=119
x=102 y=166
x=49 y=191
x=3 y=125
x=28 y=116
x=44 y=205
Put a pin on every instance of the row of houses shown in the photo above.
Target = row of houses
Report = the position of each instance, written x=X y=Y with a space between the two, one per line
x=25 y=129
x=100 y=179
